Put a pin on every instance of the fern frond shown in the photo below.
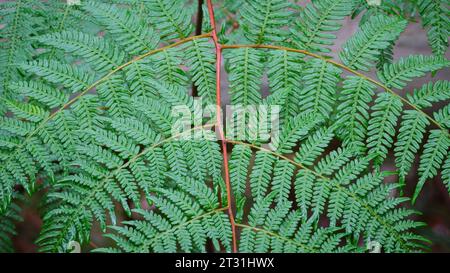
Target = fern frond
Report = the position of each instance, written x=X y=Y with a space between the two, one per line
x=94 y=50
x=313 y=146
x=8 y=220
x=294 y=130
x=86 y=111
x=22 y=20
x=261 y=174
x=16 y=127
x=334 y=161
x=435 y=16
x=156 y=111
x=318 y=94
x=127 y=30
x=285 y=77
x=281 y=181
x=442 y=116
x=245 y=76
x=114 y=95
x=397 y=74
x=430 y=93
x=170 y=18
x=167 y=67
x=139 y=75
x=180 y=222
x=381 y=130
x=41 y=92
x=26 y=111
x=353 y=110
x=432 y=158
x=263 y=20
x=312 y=29
x=72 y=77
x=176 y=158
x=201 y=63
x=360 y=51
x=409 y=139
x=137 y=130
x=239 y=162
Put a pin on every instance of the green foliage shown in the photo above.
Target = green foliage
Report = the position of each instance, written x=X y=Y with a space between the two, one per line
x=360 y=51
x=435 y=17
x=409 y=139
x=7 y=227
x=185 y=217
x=245 y=76
x=170 y=18
x=320 y=81
x=314 y=27
x=353 y=110
x=201 y=61
x=397 y=74
x=433 y=156
x=263 y=20
x=382 y=124
x=284 y=79
x=22 y=21
x=93 y=49
x=89 y=97
x=126 y=29
x=430 y=93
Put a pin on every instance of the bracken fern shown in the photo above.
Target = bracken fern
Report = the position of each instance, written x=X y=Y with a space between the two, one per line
x=87 y=104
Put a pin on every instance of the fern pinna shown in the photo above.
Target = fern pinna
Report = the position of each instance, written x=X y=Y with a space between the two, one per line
x=87 y=103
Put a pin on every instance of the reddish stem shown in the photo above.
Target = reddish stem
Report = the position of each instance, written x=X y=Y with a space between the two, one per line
x=220 y=122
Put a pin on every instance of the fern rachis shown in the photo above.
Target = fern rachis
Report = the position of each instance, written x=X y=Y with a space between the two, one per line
x=90 y=119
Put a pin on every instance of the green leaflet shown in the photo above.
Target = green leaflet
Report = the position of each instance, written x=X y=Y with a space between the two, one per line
x=353 y=110
x=397 y=74
x=170 y=18
x=433 y=156
x=360 y=51
x=95 y=50
x=382 y=124
x=245 y=76
x=284 y=73
x=320 y=81
x=430 y=93
x=124 y=28
x=7 y=227
x=71 y=77
x=435 y=17
x=409 y=139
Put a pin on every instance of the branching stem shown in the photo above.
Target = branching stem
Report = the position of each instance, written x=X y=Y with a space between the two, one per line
x=351 y=194
x=220 y=121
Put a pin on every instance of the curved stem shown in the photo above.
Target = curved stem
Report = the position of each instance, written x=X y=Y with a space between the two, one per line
x=104 y=78
x=305 y=52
